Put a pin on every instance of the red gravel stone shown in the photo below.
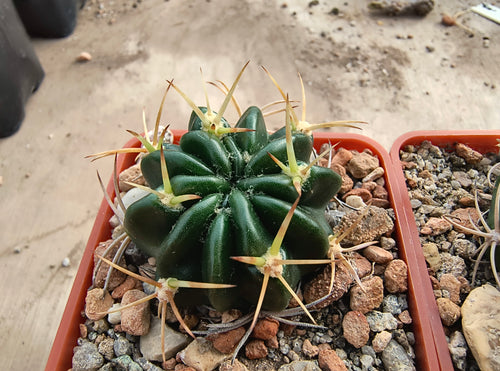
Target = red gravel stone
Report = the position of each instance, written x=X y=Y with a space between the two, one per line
x=356 y=328
x=129 y=284
x=226 y=342
x=328 y=360
x=136 y=319
x=309 y=350
x=396 y=276
x=448 y=311
x=468 y=154
x=435 y=226
x=256 y=349
x=342 y=157
x=362 y=164
x=265 y=329
x=377 y=254
x=370 y=298
x=116 y=277
x=97 y=302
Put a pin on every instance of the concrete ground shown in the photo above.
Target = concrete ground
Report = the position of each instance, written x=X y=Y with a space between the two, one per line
x=397 y=73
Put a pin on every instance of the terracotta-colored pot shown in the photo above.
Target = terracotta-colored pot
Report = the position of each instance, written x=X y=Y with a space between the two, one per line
x=482 y=141
x=419 y=303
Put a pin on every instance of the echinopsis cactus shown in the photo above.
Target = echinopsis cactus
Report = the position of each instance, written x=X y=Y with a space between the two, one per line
x=235 y=211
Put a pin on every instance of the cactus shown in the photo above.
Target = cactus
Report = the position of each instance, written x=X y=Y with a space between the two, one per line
x=232 y=210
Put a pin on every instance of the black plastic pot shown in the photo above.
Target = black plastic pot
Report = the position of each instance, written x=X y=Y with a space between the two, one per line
x=20 y=69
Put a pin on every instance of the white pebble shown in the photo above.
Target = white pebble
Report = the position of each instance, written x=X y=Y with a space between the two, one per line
x=355 y=201
x=116 y=317
x=65 y=262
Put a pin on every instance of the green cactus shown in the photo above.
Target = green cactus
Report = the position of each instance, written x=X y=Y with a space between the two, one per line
x=234 y=211
x=247 y=184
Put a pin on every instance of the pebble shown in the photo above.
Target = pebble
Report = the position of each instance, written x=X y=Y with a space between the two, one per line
x=452 y=264
x=115 y=317
x=116 y=277
x=272 y=343
x=463 y=248
x=366 y=362
x=448 y=311
x=363 y=193
x=256 y=349
x=368 y=297
x=342 y=157
x=122 y=346
x=355 y=201
x=356 y=328
x=129 y=284
x=86 y=357
x=395 y=357
x=132 y=174
x=126 y=363
x=201 y=355
x=230 y=315
x=432 y=256
x=381 y=340
x=468 y=154
x=415 y=204
x=65 y=263
x=377 y=254
x=387 y=243
x=435 y=226
x=232 y=366
x=362 y=164
x=458 y=350
x=347 y=182
x=380 y=321
x=226 y=342
x=319 y=286
x=392 y=305
x=374 y=174
x=380 y=192
x=374 y=224
x=400 y=336
x=396 y=276
x=97 y=302
x=265 y=329
x=405 y=317
x=464 y=216
x=328 y=360
x=84 y=57
x=462 y=178
x=309 y=350
x=481 y=325
x=452 y=286
x=136 y=319
x=300 y=366
x=150 y=344
x=105 y=347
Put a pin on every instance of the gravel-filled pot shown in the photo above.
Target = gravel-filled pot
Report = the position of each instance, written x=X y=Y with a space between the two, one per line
x=419 y=308
x=444 y=174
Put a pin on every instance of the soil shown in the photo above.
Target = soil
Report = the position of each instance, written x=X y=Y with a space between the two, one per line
x=397 y=73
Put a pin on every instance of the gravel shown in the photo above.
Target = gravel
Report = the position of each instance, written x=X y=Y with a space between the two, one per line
x=439 y=182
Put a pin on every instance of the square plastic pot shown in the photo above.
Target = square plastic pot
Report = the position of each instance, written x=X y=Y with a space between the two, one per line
x=425 y=347
x=482 y=141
